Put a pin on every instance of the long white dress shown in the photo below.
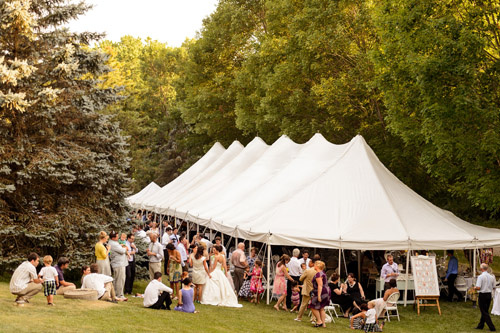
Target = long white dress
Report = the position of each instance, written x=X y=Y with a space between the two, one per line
x=218 y=290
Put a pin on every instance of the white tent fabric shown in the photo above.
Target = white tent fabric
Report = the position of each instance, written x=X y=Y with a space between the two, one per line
x=318 y=194
x=177 y=184
x=144 y=193
x=165 y=197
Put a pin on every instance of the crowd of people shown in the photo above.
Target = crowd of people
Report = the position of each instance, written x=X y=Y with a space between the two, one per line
x=198 y=272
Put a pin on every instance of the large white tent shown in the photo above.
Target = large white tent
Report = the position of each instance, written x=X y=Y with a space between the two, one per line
x=315 y=194
x=135 y=199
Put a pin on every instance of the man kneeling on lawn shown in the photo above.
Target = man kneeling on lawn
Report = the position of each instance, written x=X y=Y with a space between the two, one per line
x=100 y=282
x=157 y=295
x=25 y=282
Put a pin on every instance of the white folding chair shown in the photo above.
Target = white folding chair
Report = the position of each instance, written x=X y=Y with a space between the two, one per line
x=461 y=285
x=332 y=307
x=392 y=305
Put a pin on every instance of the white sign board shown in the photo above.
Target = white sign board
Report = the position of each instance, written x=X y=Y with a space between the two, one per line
x=425 y=276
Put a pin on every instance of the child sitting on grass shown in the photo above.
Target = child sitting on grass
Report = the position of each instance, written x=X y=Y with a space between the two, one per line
x=369 y=315
x=186 y=297
x=50 y=279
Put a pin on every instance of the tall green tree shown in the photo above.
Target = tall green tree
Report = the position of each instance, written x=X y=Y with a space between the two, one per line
x=438 y=66
x=62 y=163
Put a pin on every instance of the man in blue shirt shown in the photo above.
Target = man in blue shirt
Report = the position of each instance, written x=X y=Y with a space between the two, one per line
x=451 y=276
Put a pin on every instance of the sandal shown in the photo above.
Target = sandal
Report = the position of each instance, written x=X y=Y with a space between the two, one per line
x=319 y=325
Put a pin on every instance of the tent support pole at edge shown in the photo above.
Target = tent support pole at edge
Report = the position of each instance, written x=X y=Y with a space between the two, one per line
x=406 y=275
x=268 y=271
x=474 y=268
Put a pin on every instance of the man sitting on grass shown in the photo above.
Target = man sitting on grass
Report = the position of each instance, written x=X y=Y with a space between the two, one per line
x=100 y=282
x=157 y=295
x=25 y=282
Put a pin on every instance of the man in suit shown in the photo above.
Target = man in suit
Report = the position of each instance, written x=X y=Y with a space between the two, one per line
x=306 y=278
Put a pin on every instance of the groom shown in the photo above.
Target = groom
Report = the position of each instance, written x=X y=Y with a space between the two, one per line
x=239 y=261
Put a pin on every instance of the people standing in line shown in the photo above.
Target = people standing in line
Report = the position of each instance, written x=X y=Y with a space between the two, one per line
x=102 y=283
x=239 y=261
x=119 y=262
x=451 y=276
x=25 y=283
x=165 y=239
x=485 y=285
x=307 y=286
x=50 y=279
x=130 y=270
x=174 y=268
x=320 y=295
x=389 y=271
x=157 y=295
x=155 y=255
x=64 y=286
x=200 y=271
x=280 y=281
x=186 y=297
x=294 y=271
x=102 y=254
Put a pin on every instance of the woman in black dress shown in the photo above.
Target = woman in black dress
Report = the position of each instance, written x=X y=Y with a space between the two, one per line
x=355 y=290
x=339 y=296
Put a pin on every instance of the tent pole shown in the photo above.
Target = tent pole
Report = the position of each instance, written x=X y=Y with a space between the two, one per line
x=406 y=275
x=197 y=228
x=359 y=265
x=475 y=260
x=222 y=238
x=340 y=261
x=268 y=271
x=249 y=247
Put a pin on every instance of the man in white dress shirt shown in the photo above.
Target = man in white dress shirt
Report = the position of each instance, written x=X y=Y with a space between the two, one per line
x=304 y=260
x=25 y=282
x=100 y=282
x=157 y=295
x=485 y=284
x=294 y=271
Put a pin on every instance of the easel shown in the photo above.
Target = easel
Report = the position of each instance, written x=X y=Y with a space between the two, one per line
x=426 y=298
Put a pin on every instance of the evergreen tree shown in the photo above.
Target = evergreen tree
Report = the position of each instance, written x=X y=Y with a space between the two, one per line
x=62 y=163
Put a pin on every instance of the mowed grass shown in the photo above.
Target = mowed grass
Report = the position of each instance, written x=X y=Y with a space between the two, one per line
x=97 y=316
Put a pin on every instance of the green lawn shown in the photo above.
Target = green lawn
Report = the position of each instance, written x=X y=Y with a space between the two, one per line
x=98 y=316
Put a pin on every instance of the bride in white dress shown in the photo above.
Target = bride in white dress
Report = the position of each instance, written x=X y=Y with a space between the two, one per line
x=218 y=290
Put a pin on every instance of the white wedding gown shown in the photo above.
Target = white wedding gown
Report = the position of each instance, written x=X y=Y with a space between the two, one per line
x=218 y=290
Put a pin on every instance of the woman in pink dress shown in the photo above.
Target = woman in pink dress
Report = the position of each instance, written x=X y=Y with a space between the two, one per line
x=279 y=287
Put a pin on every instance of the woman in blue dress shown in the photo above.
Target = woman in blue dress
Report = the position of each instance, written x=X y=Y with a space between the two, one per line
x=186 y=297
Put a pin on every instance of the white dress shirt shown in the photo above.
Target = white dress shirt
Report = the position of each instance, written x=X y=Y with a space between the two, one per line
x=153 y=290
x=294 y=267
x=302 y=261
x=22 y=277
x=486 y=282
x=182 y=251
x=96 y=281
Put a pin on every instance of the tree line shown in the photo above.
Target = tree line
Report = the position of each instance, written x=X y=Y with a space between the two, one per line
x=417 y=78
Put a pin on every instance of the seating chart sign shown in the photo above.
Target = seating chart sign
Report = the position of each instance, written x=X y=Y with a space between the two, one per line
x=425 y=276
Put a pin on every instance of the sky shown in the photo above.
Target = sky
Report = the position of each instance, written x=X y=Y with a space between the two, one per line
x=168 y=21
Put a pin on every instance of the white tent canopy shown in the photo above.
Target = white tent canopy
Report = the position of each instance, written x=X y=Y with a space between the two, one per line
x=315 y=194
x=139 y=196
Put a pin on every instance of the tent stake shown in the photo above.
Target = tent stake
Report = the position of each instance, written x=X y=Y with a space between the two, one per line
x=268 y=270
x=406 y=275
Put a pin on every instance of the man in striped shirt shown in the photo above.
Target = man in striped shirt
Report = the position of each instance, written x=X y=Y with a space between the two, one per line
x=25 y=282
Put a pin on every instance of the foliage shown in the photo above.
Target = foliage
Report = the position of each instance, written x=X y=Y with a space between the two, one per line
x=62 y=163
x=438 y=65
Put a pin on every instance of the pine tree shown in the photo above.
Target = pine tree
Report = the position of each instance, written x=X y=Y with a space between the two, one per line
x=62 y=163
